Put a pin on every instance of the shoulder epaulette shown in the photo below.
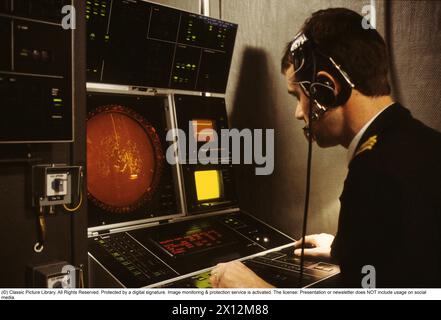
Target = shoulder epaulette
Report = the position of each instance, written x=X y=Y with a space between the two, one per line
x=367 y=146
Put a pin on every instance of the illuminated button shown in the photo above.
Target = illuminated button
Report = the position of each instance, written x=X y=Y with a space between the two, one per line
x=25 y=53
x=36 y=54
x=324 y=267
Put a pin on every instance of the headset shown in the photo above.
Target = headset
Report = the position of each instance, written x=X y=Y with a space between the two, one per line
x=307 y=59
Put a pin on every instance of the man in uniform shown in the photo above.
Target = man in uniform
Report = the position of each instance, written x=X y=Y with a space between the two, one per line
x=391 y=202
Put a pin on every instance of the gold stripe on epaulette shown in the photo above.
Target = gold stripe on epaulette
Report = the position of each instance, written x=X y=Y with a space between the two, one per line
x=368 y=145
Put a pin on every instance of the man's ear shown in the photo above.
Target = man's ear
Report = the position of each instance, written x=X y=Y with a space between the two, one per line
x=333 y=83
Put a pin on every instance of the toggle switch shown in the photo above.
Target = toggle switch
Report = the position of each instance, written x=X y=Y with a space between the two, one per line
x=56 y=184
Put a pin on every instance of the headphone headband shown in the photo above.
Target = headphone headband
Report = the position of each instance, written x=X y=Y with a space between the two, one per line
x=304 y=56
x=299 y=41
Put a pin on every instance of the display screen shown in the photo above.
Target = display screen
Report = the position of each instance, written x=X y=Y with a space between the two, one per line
x=204 y=130
x=146 y=44
x=124 y=159
x=208 y=185
x=128 y=178
x=196 y=238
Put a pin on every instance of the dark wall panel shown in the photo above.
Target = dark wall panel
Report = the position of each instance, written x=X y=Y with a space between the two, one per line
x=67 y=232
x=18 y=230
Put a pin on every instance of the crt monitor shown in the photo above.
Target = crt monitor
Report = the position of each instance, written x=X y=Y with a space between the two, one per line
x=204 y=130
x=128 y=177
x=208 y=185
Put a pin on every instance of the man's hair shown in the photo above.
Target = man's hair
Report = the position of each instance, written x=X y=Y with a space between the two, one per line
x=362 y=53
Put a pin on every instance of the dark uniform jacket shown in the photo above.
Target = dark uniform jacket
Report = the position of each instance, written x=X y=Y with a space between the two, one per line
x=391 y=205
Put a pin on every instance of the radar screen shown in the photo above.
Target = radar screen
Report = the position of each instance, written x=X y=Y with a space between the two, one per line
x=128 y=178
x=124 y=158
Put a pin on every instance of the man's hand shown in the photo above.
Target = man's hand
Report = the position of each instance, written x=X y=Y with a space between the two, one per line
x=316 y=246
x=236 y=275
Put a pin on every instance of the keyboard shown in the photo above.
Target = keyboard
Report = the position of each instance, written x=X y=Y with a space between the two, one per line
x=130 y=262
x=282 y=269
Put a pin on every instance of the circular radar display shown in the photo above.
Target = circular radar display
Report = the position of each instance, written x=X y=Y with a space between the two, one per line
x=124 y=159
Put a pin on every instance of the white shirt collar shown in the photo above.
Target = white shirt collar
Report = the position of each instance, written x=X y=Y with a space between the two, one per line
x=359 y=135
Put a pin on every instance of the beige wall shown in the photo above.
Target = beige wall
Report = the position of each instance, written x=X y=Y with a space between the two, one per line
x=188 y=5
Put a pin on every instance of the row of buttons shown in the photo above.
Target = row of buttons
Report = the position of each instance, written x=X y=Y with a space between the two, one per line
x=35 y=55
x=133 y=258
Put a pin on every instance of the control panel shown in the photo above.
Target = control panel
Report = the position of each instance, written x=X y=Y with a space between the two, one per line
x=35 y=73
x=279 y=268
x=55 y=185
x=145 y=44
x=207 y=187
x=129 y=262
x=155 y=255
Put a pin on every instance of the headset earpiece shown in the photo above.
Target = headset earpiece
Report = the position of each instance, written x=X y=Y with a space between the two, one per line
x=307 y=60
x=323 y=91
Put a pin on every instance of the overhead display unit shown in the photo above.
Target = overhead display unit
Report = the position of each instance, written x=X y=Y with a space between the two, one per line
x=139 y=43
